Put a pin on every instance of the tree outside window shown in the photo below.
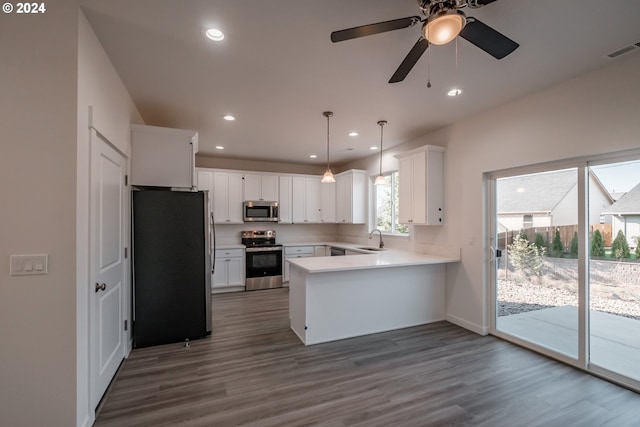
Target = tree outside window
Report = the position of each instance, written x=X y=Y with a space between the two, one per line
x=387 y=206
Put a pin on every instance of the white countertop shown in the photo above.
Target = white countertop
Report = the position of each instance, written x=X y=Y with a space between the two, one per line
x=383 y=259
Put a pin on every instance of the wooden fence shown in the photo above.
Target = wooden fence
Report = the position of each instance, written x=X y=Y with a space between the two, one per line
x=548 y=233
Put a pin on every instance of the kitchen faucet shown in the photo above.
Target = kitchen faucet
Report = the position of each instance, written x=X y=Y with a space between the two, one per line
x=381 y=245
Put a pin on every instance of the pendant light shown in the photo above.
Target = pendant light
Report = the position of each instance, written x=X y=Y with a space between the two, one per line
x=328 y=178
x=380 y=178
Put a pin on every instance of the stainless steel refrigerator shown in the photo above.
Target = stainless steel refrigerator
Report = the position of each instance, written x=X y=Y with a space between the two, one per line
x=172 y=266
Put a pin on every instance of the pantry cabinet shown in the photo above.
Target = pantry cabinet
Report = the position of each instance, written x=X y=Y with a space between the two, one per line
x=163 y=157
x=260 y=187
x=350 y=197
x=421 y=192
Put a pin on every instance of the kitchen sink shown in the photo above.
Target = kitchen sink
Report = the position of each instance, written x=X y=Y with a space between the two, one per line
x=370 y=248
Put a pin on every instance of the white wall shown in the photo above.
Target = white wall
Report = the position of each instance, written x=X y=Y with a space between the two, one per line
x=56 y=68
x=591 y=114
x=38 y=138
x=112 y=111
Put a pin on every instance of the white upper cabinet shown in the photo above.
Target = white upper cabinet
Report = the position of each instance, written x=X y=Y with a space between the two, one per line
x=421 y=190
x=284 y=199
x=260 y=187
x=163 y=157
x=204 y=182
x=328 y=203
x=350 y=197
x=306 y=199
x=227 y=198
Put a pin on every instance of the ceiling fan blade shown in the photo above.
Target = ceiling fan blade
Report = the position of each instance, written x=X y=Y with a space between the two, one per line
x=380 y=27
x=410 y=60
x=486 y=38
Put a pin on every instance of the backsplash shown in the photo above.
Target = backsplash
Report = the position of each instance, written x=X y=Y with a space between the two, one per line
x=285 y=233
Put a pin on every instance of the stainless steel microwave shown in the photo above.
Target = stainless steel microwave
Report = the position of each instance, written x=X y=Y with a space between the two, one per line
x=259 y=211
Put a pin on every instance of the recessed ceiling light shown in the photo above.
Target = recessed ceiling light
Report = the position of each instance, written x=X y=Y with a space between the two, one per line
x=454 y=92
x=229 y=117
x=354 y=133
x=313 y=156
x=219 y=147
x=520 y=190
x=214 y=34
x=373 y=148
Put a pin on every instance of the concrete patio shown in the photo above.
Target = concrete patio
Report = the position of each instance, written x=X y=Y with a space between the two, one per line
x=615 y=340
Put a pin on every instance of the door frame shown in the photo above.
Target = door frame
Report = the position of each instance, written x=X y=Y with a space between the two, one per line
x=582 y=165
x=96 y=137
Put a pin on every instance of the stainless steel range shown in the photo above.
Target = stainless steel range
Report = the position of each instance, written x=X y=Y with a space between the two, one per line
x=263 y=260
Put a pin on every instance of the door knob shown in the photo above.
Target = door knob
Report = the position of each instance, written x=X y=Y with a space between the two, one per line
x=101 y=287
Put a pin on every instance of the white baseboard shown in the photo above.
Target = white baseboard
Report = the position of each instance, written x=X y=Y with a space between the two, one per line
x=478 y=329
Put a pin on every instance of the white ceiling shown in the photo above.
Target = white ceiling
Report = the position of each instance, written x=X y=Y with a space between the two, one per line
x=277 y=70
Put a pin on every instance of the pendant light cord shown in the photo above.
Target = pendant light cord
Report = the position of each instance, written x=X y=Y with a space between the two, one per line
x=328 y=141
x=328 y=114
x=428 y=65
x=381 y=123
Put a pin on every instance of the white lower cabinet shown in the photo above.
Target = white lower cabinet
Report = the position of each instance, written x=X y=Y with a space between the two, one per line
x=296 y=252
x=321 y=251
x=229 y=270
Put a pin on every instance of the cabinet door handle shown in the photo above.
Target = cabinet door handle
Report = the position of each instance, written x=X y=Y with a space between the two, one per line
x=101 y=287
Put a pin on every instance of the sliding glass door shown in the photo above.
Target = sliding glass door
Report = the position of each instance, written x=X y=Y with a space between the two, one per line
x=537 y=270
x=614 y=268
x=565 y=265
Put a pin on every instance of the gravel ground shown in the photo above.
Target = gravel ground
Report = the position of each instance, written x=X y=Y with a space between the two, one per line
x=514 y=298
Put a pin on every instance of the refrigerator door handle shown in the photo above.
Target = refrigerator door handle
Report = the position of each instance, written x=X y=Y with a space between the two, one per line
x=213 y=250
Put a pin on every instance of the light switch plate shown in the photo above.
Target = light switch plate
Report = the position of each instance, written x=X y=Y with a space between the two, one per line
x=26 y=265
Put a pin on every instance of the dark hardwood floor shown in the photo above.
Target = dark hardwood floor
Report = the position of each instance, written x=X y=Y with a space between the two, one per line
x=253 y=371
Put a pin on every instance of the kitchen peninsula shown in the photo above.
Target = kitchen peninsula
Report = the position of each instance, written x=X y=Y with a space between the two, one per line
x=332 y=298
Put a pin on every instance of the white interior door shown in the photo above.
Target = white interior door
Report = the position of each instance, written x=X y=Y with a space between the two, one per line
x=108 y=169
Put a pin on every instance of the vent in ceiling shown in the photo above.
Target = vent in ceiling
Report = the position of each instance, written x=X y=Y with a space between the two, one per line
x=624 y=50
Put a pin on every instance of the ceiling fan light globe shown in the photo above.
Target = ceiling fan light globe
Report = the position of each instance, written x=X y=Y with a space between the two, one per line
x=444 y=27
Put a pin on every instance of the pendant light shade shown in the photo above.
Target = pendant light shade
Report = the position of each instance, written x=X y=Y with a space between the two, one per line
x=380 y=178
x=328 y=178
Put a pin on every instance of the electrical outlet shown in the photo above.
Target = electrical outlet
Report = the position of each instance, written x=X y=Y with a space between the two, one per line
x=25 y=265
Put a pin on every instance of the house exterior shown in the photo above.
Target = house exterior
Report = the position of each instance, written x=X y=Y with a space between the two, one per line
x=54 y=71
x=625 y=215
x=546 y=200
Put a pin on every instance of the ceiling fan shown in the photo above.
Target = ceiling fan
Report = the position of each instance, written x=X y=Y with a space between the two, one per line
x=444 y=21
